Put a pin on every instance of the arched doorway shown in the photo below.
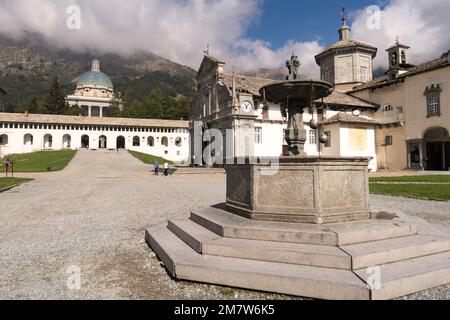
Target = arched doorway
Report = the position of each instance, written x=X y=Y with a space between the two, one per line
x=437 y=149
x=67 y=141
x=85 y=142
x=120 y=142
x=48 y=141
x=28 y=140
x=102 y=142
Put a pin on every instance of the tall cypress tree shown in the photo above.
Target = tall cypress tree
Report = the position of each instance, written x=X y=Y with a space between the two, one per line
x=55 y=103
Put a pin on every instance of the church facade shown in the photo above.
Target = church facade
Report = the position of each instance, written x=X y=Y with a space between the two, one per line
x=94 y=93
x=400 y=120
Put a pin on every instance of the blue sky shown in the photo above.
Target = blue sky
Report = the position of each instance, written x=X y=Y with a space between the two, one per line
x=303 y=20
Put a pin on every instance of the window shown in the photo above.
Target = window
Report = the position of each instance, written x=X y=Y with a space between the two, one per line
x=363 y=72
x=433 y=107
x=312 y=137
x=178 y=142
x=328 y=144
x=258 y=135
x=433 y=95
x=151 y=141
x=388 y=141
x=165 y=141
x=388 y=108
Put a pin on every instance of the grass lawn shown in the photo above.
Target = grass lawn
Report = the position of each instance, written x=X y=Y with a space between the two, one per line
x=148 y=159
x=437 y=178
x=40 y=161
x=9 y=182
x=428 y=191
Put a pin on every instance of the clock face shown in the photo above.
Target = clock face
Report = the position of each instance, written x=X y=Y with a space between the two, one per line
x=246 y=106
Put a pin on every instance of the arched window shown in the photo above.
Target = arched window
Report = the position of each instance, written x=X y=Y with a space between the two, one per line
x=136 y=142
x=3 y=140
x=28 y=140
x=151 y=141
x=48 y=141
x=165 y=141
x=178 y=142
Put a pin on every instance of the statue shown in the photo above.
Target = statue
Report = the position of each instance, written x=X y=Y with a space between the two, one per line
x=293 y=66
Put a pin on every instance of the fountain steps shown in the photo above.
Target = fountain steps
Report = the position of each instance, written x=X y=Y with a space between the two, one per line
x=228 y=225
x=409 y=263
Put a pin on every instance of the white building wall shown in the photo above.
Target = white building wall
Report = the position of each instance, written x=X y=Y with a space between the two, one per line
x=17 y=145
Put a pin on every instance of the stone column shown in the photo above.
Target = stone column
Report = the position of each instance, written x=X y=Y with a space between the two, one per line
x=89 y=111
x=101 y=112
x=421 y=154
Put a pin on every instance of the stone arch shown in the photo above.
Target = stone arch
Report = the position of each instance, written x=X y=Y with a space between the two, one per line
x=85 y=140
x=28 y=139
x=67 y=141
x=102 y=142
x=48 y=141
x=436 y=146
x=4 y=140
x=120 y=142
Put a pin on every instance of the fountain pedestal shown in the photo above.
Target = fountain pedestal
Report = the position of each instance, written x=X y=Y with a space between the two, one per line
x=300 y=190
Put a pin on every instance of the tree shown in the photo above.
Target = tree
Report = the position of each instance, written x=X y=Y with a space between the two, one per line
x=54 y=101
x=74 y=110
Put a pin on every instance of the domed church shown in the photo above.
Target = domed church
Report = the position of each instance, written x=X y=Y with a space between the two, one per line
x=94 y=93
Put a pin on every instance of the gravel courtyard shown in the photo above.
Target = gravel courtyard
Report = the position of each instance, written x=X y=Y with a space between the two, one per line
x=93 y=215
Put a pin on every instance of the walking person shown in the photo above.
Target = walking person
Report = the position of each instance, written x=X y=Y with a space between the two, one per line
x=7 y=164
x=166 y=169
x=156 y=167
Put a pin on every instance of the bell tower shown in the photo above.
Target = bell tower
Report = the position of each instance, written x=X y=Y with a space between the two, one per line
x=397 y=55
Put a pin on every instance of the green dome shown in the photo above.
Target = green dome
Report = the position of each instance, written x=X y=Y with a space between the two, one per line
x=95 y=78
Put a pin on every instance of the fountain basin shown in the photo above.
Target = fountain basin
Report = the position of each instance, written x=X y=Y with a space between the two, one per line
x=296 y=90
x=300 y=190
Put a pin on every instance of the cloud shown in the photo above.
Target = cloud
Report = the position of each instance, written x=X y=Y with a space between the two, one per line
x=421 y=24
x=176 y=29
x=180 y=29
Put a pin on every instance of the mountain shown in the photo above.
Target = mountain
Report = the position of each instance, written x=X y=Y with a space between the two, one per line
x=28 y=66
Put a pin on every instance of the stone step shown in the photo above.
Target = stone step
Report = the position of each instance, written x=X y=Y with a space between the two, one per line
x=167 y=247
x=229 y=225
x=408 y=277
x=191 y=233
x=393 y=250
x=185 y=264
x=371 y=230
x=292 y=253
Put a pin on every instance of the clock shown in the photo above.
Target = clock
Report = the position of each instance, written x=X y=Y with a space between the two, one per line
x=246 y=106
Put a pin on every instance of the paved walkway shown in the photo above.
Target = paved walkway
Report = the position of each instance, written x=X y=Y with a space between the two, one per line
x=93 y=215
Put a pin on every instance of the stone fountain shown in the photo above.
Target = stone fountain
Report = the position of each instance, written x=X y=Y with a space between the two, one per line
x=300 y=188
x=303 y=227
